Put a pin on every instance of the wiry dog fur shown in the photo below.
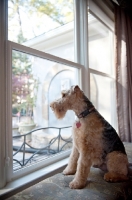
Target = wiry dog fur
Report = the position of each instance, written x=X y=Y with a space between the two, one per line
x=95 y=141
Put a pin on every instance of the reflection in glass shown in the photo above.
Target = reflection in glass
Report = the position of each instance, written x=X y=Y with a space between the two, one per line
x=101 y=94
x=35 y=83
x=100 y=46
x=43 y=25
x=29 y=19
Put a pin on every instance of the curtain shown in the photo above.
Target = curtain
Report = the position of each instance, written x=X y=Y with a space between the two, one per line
x=123 y=31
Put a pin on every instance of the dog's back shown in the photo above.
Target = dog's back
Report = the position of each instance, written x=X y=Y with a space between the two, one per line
x=111 y=140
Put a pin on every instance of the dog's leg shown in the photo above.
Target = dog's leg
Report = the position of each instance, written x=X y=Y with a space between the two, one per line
x=115 y=177
x=83 y=168
x=117 y=165
x=72 y=165
x=103 y=167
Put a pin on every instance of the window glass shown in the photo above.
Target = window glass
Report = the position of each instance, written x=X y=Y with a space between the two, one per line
x=100 y=46
x=44 y=25
x=101 y=94
x=101 y=56
x=35 y=83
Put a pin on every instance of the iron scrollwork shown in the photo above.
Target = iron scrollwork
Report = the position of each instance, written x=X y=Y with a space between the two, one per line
x=38 y=153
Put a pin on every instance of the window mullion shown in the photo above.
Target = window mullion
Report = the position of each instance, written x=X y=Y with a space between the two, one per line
x=41 y=54
x=81 y=40
x=93 y=71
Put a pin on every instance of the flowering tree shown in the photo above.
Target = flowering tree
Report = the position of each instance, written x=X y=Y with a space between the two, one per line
x=24 y=85
x=28 y=19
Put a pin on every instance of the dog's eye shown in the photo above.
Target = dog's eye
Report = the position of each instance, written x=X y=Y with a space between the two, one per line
x=63 y=95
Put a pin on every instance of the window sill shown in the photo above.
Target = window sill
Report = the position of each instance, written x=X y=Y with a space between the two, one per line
x=22 y=183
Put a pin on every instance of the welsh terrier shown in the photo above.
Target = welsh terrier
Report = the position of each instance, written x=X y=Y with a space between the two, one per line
x=95 y=141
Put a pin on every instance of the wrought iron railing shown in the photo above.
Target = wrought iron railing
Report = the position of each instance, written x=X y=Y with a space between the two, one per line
x=20 y=151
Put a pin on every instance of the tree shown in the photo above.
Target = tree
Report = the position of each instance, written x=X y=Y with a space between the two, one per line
x=24 y=85
x=58 y=12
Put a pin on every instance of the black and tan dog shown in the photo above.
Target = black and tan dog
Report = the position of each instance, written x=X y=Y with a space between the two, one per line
x=95 y=141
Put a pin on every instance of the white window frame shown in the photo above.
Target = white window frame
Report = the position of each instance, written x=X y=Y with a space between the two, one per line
x=81 y=58
x=24 y=49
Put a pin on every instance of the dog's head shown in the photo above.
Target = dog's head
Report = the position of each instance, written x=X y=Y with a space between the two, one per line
x=66 y=102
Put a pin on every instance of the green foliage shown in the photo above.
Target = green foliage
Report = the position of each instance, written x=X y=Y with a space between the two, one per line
x=24 y=85
x=59 y=12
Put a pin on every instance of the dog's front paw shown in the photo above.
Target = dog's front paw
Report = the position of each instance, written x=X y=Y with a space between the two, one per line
x=69 y=172
x=76 y=185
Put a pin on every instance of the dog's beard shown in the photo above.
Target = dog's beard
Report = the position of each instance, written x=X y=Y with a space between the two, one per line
x=60 y=114
x=58 y=110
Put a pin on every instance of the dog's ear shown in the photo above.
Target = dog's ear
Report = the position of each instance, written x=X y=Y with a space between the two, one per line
x=76 y=88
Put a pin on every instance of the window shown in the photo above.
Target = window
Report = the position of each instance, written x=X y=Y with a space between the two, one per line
x=37 y=79
x=44 y=25
x=41 y=61
x=101 y=68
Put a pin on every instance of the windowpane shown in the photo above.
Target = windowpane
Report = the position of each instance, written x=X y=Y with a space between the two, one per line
x=35 y=83
x=102 y=94
x=101 y=56
x=100 y=46
x=44 y=25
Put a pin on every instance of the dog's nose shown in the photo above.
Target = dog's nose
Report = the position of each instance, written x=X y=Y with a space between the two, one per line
x=50 y=104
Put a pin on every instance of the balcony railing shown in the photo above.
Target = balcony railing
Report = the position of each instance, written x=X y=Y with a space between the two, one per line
x=25 y=153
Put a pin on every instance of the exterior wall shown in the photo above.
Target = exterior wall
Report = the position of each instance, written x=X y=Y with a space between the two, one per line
x=46 y=72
